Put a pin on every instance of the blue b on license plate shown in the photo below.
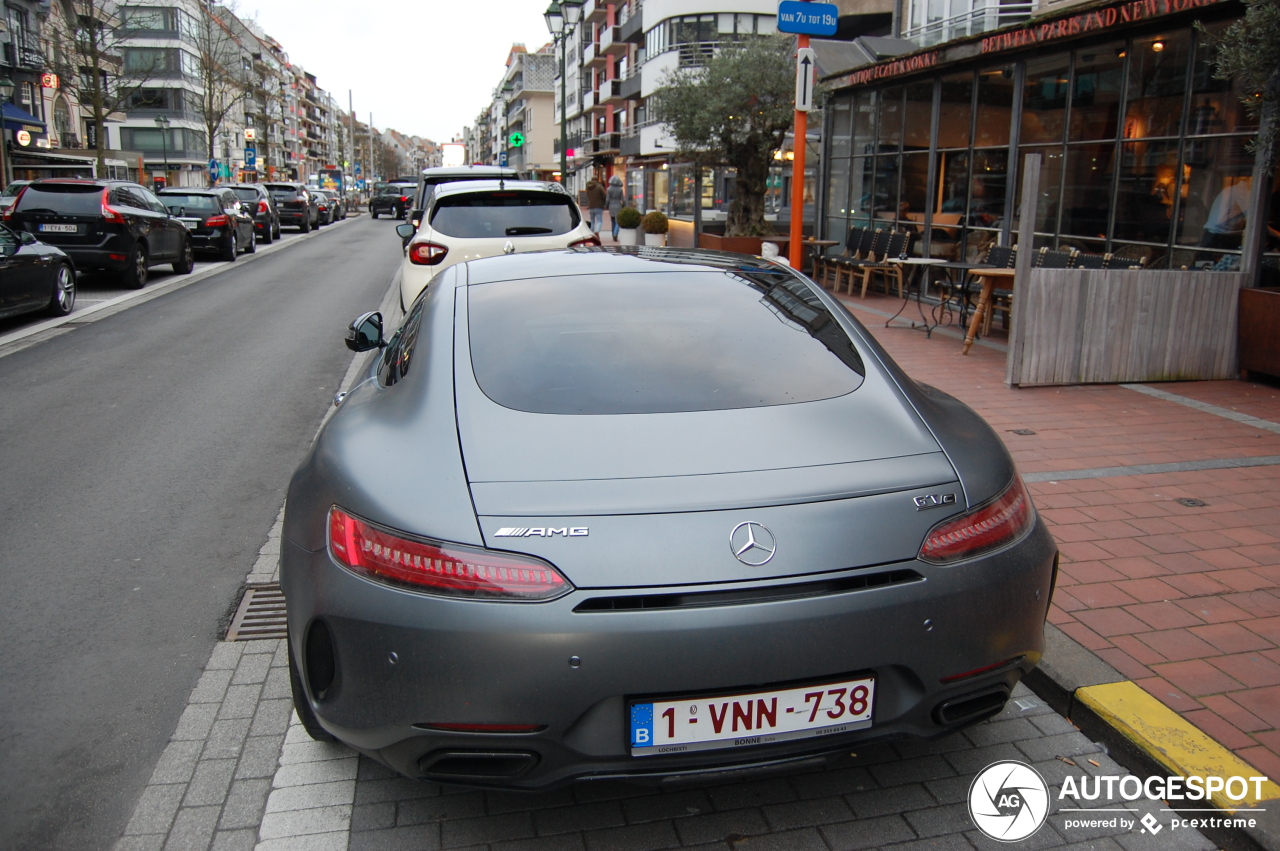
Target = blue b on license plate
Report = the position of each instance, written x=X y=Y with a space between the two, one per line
x=757 y=718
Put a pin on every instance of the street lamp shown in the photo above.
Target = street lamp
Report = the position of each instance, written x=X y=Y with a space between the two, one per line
x=162 y=122
x=6 y=92
x=560 y=15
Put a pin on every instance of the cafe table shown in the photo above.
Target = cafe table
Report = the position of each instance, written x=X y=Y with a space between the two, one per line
x=988 y=278
x=815 y=247
x=916 y=269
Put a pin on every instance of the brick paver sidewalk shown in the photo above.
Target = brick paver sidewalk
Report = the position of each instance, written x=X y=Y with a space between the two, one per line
x=1183 y=599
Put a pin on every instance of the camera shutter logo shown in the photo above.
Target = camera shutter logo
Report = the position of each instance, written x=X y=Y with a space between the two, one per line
x=1008 y=801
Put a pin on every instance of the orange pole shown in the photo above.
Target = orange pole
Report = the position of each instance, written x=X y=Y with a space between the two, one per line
x=797 y=175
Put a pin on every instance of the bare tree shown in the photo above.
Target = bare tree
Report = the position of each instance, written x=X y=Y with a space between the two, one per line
x=93 y=65
x=223 y=68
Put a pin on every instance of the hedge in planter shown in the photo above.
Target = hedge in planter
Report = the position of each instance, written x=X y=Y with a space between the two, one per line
x=629 y=217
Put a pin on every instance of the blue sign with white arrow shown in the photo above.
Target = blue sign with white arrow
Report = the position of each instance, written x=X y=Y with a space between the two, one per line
x=796 y=16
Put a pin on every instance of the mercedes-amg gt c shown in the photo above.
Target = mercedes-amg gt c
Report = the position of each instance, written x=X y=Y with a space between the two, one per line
x=649 y=513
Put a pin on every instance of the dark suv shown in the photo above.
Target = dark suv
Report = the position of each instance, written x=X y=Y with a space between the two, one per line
x=104 y=224
x=258 y=202
x=297 y=206
x=392 y=198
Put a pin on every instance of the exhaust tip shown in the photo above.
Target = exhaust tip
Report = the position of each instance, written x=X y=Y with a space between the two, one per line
x=971 y=707
x=458 y=764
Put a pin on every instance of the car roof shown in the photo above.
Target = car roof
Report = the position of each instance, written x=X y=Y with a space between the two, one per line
x=464 y=186
x=495 y=170
x=192 y=190
x=617 y=260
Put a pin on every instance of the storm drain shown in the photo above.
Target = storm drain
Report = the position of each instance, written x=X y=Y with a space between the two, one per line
x=261 y=614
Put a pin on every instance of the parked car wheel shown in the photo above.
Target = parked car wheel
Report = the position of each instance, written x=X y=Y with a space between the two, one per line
x=64 y=292
x=276 y=232
x=232 y=248
x=135 y=274
x=185 y=264
x=252 y=247
x=373 y=213
x=266 y=236
x=301 y=705
x=305 y=227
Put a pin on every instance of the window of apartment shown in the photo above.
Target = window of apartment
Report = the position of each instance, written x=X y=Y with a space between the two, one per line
x=149 y=18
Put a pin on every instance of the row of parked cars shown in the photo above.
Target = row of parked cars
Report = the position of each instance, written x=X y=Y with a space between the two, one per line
x=54 y=229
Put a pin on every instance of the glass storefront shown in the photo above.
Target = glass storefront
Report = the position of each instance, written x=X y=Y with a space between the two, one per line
x=1143 y=154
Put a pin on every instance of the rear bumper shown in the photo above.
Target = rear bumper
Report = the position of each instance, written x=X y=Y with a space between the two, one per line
x=294 y=217
x=214 y=241
x=97 y=258
x=458 y=661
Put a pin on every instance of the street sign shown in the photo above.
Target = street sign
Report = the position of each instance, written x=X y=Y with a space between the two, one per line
x=359 y=170
x=213 y=169
x=251 y=159
x=795 y=16
x=806 y=64
x=517 y=139
x=250 y=134
x=502 y=159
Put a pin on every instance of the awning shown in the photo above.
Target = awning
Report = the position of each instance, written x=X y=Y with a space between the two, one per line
x=16 y=118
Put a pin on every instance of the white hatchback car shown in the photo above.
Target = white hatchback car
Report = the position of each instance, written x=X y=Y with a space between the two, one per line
x=485 y=218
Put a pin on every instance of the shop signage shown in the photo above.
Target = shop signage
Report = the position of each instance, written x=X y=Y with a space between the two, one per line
x=24 y=138
x=1098 y=19
x=919 y=62
x=49 y=81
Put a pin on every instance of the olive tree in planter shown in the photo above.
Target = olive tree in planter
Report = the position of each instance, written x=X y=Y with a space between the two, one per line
x=628 y=222
x=655 y=227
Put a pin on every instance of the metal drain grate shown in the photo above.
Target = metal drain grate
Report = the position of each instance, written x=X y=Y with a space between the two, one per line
x=261 y=614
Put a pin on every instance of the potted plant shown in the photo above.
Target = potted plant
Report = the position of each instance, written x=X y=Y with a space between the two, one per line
x=628 y=223
x=654 y=224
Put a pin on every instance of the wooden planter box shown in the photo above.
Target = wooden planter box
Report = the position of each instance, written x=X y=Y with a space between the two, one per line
x=1260 y=330
x=742 y=244
x=1075 y=326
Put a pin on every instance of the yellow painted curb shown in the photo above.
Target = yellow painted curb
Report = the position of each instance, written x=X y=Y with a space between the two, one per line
x=1171 y=740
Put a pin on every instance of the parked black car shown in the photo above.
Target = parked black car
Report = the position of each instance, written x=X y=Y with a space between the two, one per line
x=260 y=204
x=392 y=198
x=325 y=204
x=297 y=205
x=34 y=276
x=104 y=224
x=336 y=203
x=215 y=218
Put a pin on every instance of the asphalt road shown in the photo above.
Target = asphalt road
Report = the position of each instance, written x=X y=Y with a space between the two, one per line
x=144 y=459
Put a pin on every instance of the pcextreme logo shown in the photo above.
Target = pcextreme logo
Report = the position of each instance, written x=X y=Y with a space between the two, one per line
x=1009 y=801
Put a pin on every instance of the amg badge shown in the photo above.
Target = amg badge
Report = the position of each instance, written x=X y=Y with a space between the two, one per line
x=548 y=532
x=933 y=500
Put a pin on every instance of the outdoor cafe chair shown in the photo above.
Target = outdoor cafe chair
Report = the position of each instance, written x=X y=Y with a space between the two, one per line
x=825 y=265
x=886 y=264
x=871 y=250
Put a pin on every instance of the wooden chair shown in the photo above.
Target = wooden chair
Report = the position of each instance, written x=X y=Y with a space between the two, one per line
x=886 y=264
x=1002 y=257
x=1048 y=258
x=825 y=264
x=873 y=247
x=1091 y=261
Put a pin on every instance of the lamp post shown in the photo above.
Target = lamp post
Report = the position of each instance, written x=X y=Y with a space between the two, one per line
x=162 y=122
x=6 y=92
x=562 y=17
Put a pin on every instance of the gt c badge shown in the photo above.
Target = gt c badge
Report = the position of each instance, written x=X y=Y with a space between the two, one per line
x=542 y=532
x=934 y=500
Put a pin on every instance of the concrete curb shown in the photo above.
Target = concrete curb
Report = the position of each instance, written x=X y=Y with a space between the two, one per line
x=1142 y=734
x=132 y=299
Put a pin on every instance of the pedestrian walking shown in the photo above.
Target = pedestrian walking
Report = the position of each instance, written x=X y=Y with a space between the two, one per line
x=595 y=205
x=614 y=199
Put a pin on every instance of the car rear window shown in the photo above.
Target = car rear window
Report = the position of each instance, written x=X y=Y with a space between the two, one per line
x=479 y=215
x=72 y=199
x=283 y=191
x=247 y=194
x=664 y=342
x=179 y=204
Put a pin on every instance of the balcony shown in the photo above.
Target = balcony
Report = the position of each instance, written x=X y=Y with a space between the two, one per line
x=605 y=143
x=588 y=100
x=630 y=146
x=610 y=90
x=632 y=29
x=595 y=12
x=589 y=53
x=630 y=87
x=611 y=43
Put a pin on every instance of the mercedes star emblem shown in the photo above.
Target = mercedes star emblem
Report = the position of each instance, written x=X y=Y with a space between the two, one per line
x=752 y=544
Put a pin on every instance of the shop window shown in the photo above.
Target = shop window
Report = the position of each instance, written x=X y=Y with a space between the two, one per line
x=838 y=189
x=1095 y=92
x=1215 y=104
x=1086 y=191
x=1146 y=198
x=1044 y=99
x=956 y=110
x=995 y=106
x=841 y=115
x=1216 y=203
x=860 y=196
x=890 y=128
x=1050 y=185
x=918 y=116
x=1157 y=85
x=987 y=188
x=864 y=122
x=884 y=199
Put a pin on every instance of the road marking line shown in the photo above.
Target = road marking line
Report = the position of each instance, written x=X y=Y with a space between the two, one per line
x=1171 y=740
x=1149 y=469
x=1225 y=413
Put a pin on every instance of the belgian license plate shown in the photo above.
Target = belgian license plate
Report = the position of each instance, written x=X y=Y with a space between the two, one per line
x=59 y=228
x=757 y=718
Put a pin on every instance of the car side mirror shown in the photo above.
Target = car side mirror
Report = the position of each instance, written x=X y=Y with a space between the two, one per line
x=365 y=333
x=27 y=238
x=406 y=231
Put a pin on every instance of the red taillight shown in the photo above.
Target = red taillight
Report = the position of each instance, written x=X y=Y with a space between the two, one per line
x=589 y=242
x=484 y=728
x=109 y=214
x=990 y=527
x=262 y=206
x=447 y=569
x=404 y=198
x=13 y=208
x=218 y=221
x=985 y=669
x=426 y=253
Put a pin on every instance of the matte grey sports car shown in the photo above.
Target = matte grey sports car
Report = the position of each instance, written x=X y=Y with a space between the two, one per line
x=649 y=513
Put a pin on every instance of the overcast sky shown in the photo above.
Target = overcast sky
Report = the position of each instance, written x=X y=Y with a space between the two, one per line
x=424 y=67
